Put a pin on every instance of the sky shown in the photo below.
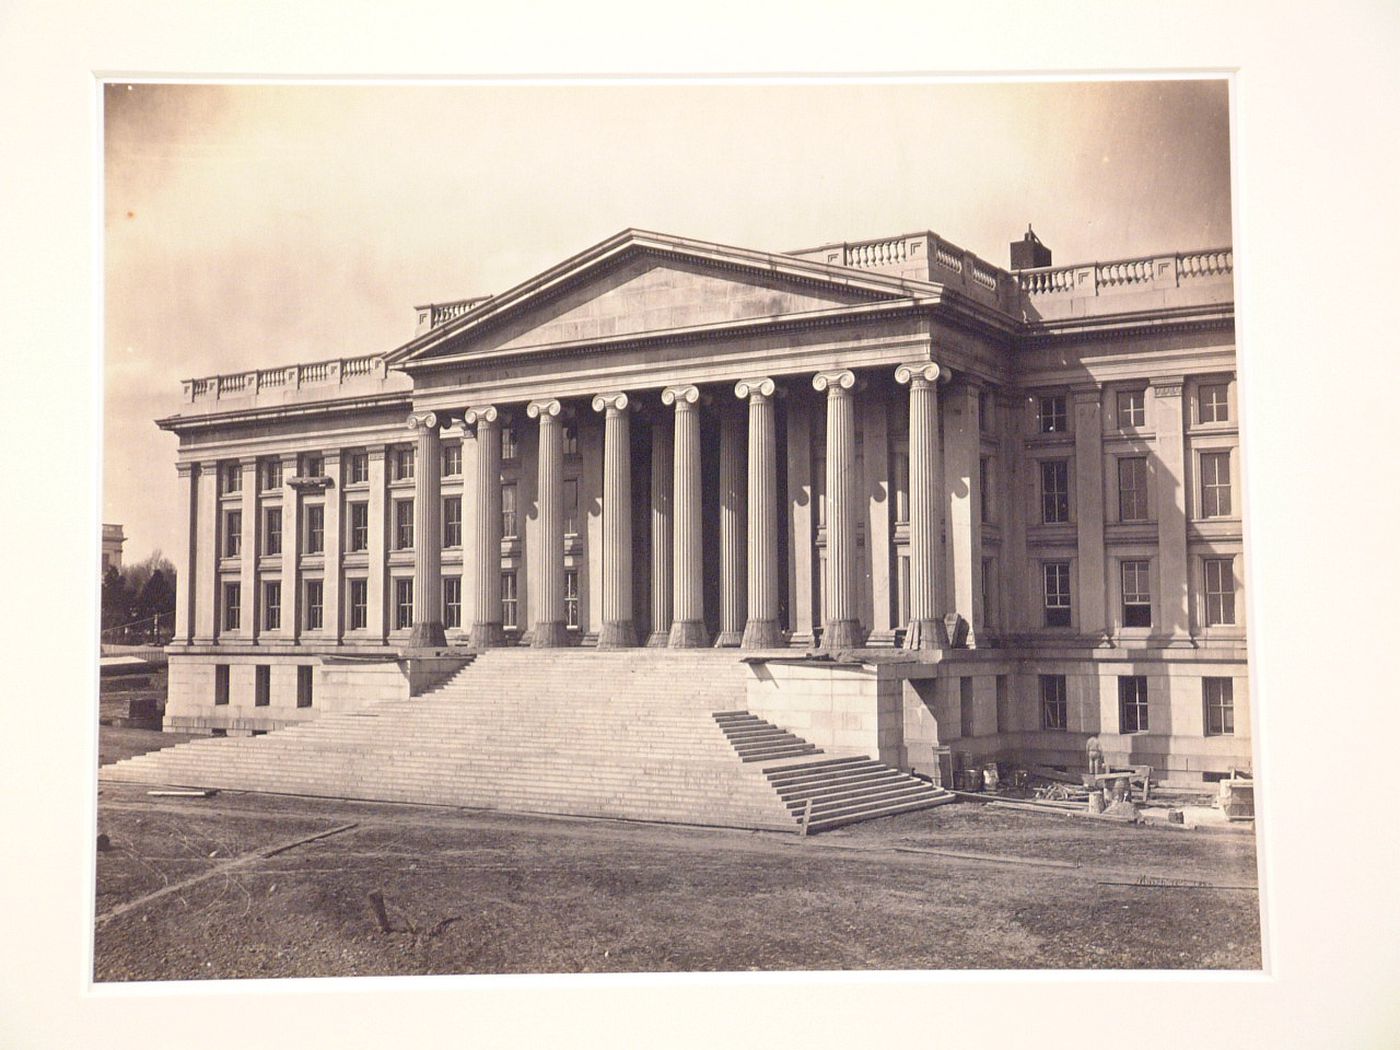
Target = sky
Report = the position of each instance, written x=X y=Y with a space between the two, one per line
x=250 y=226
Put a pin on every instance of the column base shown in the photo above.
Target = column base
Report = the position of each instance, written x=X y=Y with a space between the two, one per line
x=926 y=634
x=486 y=636
x=842 y=634
x=728 y=639
x=688 y=634
x=762 y=634
x=659 y=639
x=549 y=636
x=427 y=636
x=618 y=635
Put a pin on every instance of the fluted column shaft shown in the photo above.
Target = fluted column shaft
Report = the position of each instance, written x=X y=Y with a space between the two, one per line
x=842 y=629
x=926 y=627
x=733 y=526
x=485 y=626
x=661 y=532
x=427 y=534
x=761 y=631
x=618 y=631
x=550 y=630
x=688 y=628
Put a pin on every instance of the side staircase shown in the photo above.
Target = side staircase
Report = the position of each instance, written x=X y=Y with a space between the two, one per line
x=633 y=734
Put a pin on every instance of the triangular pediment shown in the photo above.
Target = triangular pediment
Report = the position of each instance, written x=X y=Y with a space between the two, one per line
x=650 y=285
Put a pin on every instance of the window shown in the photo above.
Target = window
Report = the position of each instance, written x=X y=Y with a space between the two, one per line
x=901 y=487
x=403 y=604
x=357 y=468
x=315 y=528
x=232 y=478
x=452 y=521
x=271 y=474
x=233 y=533
x=1218 y=694
x=967 y=713
x=314 y=601
x=1054 y=707
x=1215 y=484
x=1054 y=491
x=304 y=680
x=233 y=605
x=984 y=488
x=359 y=604
x=262 y=685
x=1132 y=703
x=272 y=531
x=313 y=465
x=1057 y=606
x=221 y=684
x=570 y=597
x=272 y=605
x=359 y=526
x=1213 y=401
x=1132 y=488
x=1132 y=409
x=571 y=507
x=403 y=524
x=510 y=604
x=1137 y=594
x=570 y=439
x=452 y=601
x=508 y=516
x=1220 y=592
x=401 y=464
x=451 y=461
x=510 y=448
x=1054 y=416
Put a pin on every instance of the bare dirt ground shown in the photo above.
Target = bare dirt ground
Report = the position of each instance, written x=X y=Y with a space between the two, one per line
x=186 y=892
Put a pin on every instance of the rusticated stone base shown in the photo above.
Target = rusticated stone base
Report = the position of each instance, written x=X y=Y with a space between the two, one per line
x=618 y=635
x=926 y=634
x=842 y=634
x=553 y=635
x=427 y=636
x=486 y=636
x=689 y=634
x=762 y=634
x=728 y=639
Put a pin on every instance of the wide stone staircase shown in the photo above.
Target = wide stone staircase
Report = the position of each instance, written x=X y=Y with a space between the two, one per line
x=633 y=734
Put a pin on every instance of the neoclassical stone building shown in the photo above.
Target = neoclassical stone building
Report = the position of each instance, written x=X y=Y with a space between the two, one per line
x=993 y=511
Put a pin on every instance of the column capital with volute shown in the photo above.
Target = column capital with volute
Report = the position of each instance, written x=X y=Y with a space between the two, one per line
x=547 y=406
x=686 y=393
x=617 y=401
x=474 y=414
x=923 y=372
x=762 y=386
x=424 y=420
x=842 y=379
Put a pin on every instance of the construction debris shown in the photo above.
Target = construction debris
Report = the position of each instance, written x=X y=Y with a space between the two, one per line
x=1237 y=796
x=205 y=793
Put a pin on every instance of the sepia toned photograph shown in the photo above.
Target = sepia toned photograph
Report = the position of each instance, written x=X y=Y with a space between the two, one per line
x=672 y=526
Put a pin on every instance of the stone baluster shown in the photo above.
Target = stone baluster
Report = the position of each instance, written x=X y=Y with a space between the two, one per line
x=661 y=526
x=688 y=627
x=427 y=534
x=762 y=630
x=485 y=628
x=842 y=629
x=618 y=631
x=926 y=627
x=733 y=557
x=550 y=631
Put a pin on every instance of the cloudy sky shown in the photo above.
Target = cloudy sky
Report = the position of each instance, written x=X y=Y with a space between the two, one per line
x=250 y=226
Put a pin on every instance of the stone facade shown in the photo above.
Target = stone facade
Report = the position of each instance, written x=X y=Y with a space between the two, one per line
x=935 y=504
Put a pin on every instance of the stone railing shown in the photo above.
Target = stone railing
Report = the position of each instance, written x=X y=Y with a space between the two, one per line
x=291 y=377
x=431 y=315
x=871 y=254
x=926 y=254
x=1128 y=274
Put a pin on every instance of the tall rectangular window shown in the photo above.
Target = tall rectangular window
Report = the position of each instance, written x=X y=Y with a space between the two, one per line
x=1132 y=703
x=403 y=524
x=403 y=604
x=221 y=684
x=1054 y=491
x=359 y=526
x=509 y=523
x=401 y=464
x=315 y=528
x=1215 y=484
x=570 y=597
x=1137 y=594
x=571 y=507
x=359 y=604
x=1054 y=414
x=1054 y=705
x=272 y=531
x=1132 y=488
x=510 y=447
x=451 y=461
x=510 y=602
x=262 y=685
x=1218 y=695
x=1057 y=601
x=357 y=468
x=314 y=600
x=1132 y=409
x=984 y=488
x=452 y=601
x=272 y=605
x=232 y=474
x=271 y=473
x=1220 y=592
x=901 y=487
x=313 y=465
x=233 y=533
x=304 y=680
x=570 y=439
x=233 y=606
x=1213 y=400
x=452 y=521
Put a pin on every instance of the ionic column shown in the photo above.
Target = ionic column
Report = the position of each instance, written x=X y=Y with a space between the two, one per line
x=427 y=534
x=733 y=557
x=617 y=631
x=661 y=526
x=842 y=629
x=485 y=628
x=762 y=630
x=926 y=628
x=550 y=631
x=688 y=627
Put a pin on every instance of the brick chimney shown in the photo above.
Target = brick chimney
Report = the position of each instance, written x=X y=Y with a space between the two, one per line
x=1028 y=253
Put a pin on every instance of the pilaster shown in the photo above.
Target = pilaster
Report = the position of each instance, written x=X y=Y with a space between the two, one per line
x=376 y=623
x=802 y=515
x=291 y=553
x=662 y=484
x=333 y=547
x=207 y=538
x=250 y=622
x=1168 y=424
x=733 y=527
x=1089 y=511
x=963 y=488
x=876 y=471
x=186 y=570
